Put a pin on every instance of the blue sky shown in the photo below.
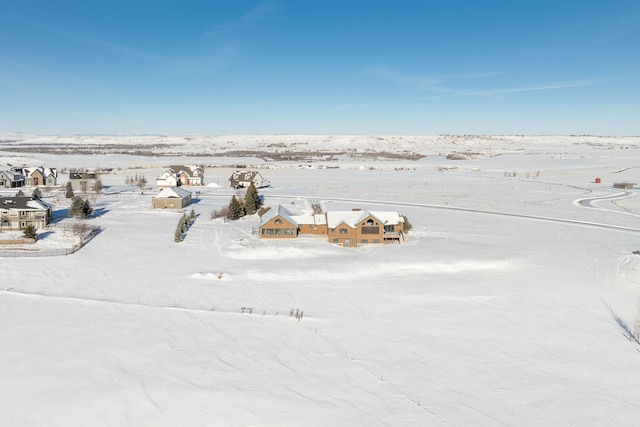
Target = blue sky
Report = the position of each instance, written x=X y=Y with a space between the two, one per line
x=320 y=67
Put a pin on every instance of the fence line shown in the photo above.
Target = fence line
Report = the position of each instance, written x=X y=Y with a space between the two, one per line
x=35 y=253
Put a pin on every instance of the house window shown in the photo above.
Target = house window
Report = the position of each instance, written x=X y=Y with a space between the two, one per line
x=375 y=241
x=278 y=221
x=369 y=221
x=336 y=240
x=364 y=241
x=370 y=229
x=343 y=230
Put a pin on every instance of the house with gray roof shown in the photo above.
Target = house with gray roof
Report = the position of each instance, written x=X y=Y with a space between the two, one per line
x=11 y=179
x=17 y=213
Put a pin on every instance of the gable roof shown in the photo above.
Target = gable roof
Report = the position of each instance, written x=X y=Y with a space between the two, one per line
x=283 y=212
x=244 y=176
x=13 y=175
x=353 y=218
x=28 y=171
x=172 y=192
x=190 y=170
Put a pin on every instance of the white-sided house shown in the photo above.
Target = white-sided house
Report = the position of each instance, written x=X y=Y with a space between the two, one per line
x=17 y=213
x=179 y=175
x=11 y=179
x=242 y=179
x=172 y=198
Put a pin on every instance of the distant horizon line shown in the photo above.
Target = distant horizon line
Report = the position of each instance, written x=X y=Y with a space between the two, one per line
x=156 y=134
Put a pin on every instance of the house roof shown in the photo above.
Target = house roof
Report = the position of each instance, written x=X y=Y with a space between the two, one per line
x=244 y=175
x=313 y=219
x=283 y=212
x=28 y=171
x=353 y=218
x=24 y=203
x=172 y=192
x=191 y=170
x=12 y=175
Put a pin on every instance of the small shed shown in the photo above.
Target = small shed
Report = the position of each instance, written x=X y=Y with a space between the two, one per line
x=172 y=198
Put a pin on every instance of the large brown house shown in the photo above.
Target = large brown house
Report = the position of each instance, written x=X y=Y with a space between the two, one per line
x=346 y=228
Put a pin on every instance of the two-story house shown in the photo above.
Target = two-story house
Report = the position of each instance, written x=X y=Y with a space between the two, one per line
x=11 y=179
x=179 y=175
x=17 y=213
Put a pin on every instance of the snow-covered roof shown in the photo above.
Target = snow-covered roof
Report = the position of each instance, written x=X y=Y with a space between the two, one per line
x=172 y=192
x=28 y=171
x=191 y=170
x=313 y=219
x=353 y=218
x=282 y=212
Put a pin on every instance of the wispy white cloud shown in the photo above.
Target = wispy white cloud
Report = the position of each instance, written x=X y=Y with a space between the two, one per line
x=258 y=13
x=426 y=82
x=535 y=88
x=441 y=92
x=441 y=86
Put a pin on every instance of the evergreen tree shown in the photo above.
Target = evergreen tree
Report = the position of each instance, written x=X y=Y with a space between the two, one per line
x=37 y=194
x=251 y=200
x=20 y=193
x=184 y=222
x=69 y=191
x=177 y=237
x=192 y=216
x=80 y=208
x=236 y=210
x=30 y=232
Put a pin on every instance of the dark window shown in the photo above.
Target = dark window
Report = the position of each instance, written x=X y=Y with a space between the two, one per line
x=370 y=229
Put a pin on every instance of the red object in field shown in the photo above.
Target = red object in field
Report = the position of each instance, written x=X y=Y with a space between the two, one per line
x=598 y=181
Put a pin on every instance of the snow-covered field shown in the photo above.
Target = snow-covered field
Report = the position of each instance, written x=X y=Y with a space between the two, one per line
x=506 y=305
